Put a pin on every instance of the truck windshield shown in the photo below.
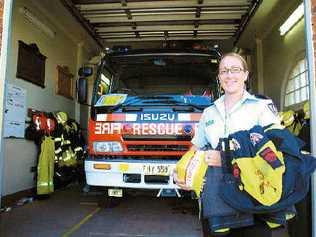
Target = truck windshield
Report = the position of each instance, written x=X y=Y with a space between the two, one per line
x=165 y=74
x=161 y=74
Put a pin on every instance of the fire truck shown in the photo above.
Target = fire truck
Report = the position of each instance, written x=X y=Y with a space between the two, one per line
x=145 y=107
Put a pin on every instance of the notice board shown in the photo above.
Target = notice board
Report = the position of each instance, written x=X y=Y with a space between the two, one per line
x=14 y=112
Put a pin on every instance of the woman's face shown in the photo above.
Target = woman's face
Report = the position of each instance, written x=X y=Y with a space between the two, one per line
x=232 y=75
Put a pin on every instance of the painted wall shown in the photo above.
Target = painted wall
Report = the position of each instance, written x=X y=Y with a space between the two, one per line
x=272 y=56
x=64 y=50
x=280 y=54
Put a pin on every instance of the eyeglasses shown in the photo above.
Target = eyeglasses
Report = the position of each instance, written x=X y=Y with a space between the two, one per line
x=233 y=70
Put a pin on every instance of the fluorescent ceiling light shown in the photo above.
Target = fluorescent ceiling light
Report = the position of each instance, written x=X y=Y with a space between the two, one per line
x=292 y=20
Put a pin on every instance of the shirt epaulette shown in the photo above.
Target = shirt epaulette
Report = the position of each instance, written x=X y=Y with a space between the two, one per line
x=260 y=96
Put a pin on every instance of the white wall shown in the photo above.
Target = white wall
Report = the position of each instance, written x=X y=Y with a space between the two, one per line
x=272 y=55
x=63 y=49
x=280 y=54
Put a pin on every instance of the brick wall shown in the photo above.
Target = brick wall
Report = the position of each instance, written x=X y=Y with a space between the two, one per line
x=1 y=18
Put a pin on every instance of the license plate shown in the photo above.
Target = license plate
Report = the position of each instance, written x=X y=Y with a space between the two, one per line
x=115 y=192
x=156 y=170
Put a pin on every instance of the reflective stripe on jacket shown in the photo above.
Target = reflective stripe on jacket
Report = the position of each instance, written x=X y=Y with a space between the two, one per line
x=45 y=167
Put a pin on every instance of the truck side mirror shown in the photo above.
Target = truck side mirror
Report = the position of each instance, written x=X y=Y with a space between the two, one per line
x=82 y=90
x=82 y=84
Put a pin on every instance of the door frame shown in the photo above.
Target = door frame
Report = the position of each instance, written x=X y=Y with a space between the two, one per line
x=4 y=60
x=312 y=95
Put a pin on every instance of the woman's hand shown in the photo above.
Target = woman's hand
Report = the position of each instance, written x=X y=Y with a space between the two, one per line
x=213 y=158
x=180 y=183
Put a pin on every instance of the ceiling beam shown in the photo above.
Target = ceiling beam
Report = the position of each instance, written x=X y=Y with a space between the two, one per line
x=197 y=12
x=168 y=23
x=101 y=12
x=162 y=38
x=165 y=33
x=161 y=4
x=153 y=20
x=170 y=17
x=170 y=34
x=166 y=28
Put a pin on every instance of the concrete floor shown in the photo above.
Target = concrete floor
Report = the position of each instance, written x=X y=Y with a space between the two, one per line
x=70 y=212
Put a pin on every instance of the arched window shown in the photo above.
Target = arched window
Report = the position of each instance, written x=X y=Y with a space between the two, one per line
x=297 y=85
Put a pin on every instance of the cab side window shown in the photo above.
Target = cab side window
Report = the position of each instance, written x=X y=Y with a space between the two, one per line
x=297 y=87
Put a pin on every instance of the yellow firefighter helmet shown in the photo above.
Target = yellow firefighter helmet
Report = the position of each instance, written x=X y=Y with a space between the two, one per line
x=306 y=110
x=287 y=117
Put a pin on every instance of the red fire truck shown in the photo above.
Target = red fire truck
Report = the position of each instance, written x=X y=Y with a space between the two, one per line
x=145 y=107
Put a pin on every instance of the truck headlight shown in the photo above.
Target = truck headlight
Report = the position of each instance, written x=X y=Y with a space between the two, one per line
x=107 y=147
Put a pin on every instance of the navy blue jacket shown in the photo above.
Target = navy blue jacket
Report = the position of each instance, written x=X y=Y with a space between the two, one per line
x=295 y=181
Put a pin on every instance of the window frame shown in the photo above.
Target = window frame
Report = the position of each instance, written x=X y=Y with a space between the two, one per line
x=293 y=76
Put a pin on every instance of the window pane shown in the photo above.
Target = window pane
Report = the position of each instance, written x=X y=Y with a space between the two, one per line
x=290 y=86
x=304 y=94
x=295 y=71
x=297 y=82
x=302 y=65
x=291 y=98
x=297 y=96
x=303 y=79
x=297 y=86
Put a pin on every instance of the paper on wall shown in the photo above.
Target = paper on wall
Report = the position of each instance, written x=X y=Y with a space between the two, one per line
x=15 y=111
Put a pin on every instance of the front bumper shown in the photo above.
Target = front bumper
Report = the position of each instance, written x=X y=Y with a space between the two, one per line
x=131 y=173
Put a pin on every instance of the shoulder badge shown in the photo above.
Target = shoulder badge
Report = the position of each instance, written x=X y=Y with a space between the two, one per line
x=269 y=103
x=255 y=138
x=273 y=109
x=234 y=145
x=209 y=122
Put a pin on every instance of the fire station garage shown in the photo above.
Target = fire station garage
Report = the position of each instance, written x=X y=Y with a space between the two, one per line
x=101 y=98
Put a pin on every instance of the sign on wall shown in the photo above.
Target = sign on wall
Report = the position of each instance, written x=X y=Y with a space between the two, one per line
x=15 y=112
x=31 y=64
x=64 y=82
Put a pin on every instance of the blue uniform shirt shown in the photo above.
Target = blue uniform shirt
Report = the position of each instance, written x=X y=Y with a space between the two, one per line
x=248 y=112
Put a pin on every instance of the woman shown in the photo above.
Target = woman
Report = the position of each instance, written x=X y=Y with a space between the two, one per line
x=234 y=111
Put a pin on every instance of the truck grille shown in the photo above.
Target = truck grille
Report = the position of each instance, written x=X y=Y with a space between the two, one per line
x=157 y=138
x=157 y=147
